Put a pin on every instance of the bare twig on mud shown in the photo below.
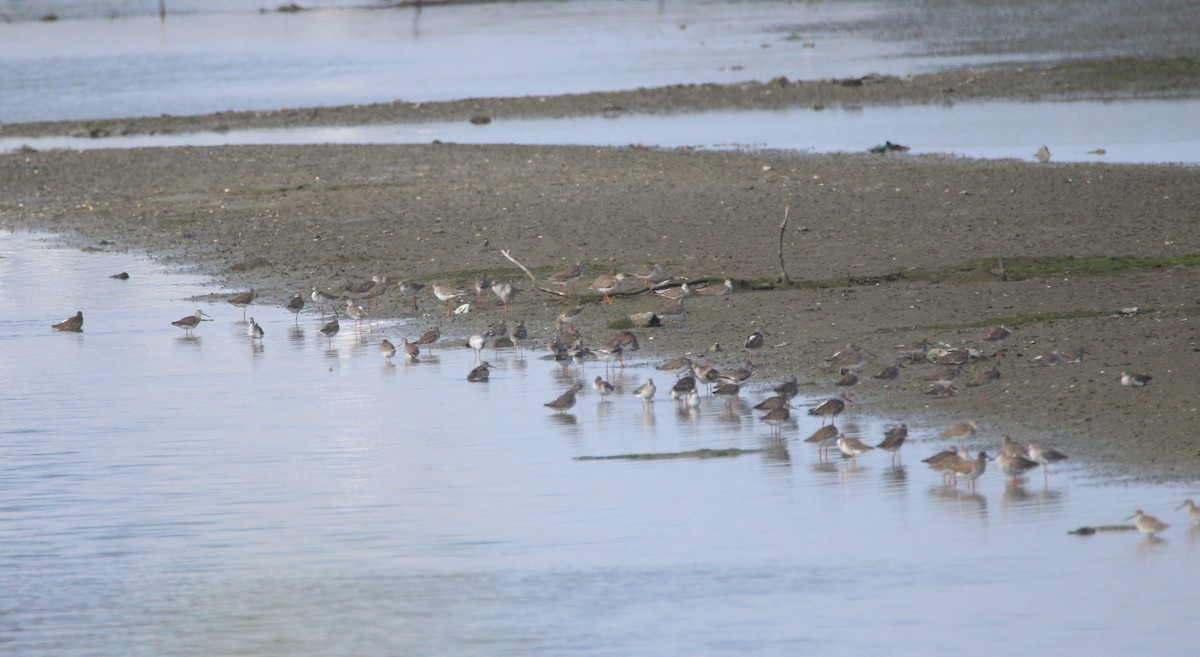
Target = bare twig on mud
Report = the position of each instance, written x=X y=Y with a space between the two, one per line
x=783 y=275
x=505 y=253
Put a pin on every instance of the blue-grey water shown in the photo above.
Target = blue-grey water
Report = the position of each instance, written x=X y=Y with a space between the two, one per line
x=166 y=495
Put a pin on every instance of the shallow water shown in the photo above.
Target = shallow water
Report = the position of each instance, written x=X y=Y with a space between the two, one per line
x=1144 y=132
x=166 y=495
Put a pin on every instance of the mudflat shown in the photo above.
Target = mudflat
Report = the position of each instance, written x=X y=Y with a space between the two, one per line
x=877 y=249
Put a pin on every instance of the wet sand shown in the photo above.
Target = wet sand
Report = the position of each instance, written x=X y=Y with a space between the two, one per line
x=880 y=249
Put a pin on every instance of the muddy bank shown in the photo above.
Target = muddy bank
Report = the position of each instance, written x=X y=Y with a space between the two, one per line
x=1105 y=79
x=881 y=250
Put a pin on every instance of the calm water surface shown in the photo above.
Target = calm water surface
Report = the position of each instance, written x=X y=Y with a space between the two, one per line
x=161 y=495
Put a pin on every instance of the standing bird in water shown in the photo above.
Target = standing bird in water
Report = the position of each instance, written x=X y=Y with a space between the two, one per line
x=480 y=373
x=295 y=305
x=191 y=321
x=565 y=401
x=242 y=300
x=254 y=330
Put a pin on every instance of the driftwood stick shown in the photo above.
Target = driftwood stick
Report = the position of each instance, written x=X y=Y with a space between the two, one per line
x=532 y=278
x=783 y=275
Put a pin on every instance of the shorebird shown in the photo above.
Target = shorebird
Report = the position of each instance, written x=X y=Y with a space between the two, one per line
x=603 y=387
x=722 y=290
x=359 y=288
x=961 y=432
x=478 y=341
x=648 y=275
x=565 y=401
x=952 y=356
x=755 y=342
x=969 y=469
x=610 y=355
x=1048 y=359
x=295 y=305
x=499 y=331
x=1044 y=456
x=428 y=338
x=379 y=286
x=322 y=299
x=675 y=315
x=825 y=437
x=1193 y=511
x=1148 y=525
x=776 y=418
x=893 y=440
x=356 y=312
x=480 y=373
x=191 y=321
x=411 y=290
x=1132 y=380
x=607 y=283
x=693 y=399
x=482 y=284
x=851 y=358
x=519 y=334
x=387 y=350
x=1013 y=465
x=984 y=379
x=569 y=276
x=680 y=365
x=916 y=350
x=675 y=293
x=410 y=350
x=1073 y=354
x=830 y=408
x=241 y=301
x=848 y=380
x=943 y=379
x=945 y=460
x=1013 y=448
x=888 y=375
x=683 y=387
x=254 y=330
x=625 y=339
x=739 y=376
x=73 y=324
x=999 y=336
x=772 y=403
x=331 y=329
x=788 y=389
x=506 y=293
x=852 y=447
x=645 y=392
x=567 y=317
x=728 y=391
x=448 y=294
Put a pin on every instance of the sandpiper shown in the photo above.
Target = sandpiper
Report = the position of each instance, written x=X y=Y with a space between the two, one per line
x=961 y=432
x=295 y=305
x=448 y=294
x=191 y=321
x=1045 y=456
x=693 y=399
x=728 y=391
x=499 y=331
x=482 y=284
x=776 y=418
x=683 y=387
x=625 y=339
x=428 y=338
x=410 y=350
x=356 y=312
x=722 y=290
x=848 y=380
x=893 y=440
x=824 y=438
x=569 y=276
x=830 y=408
x=999 y=336
x=648 y=275
x=606 y=284
x=387 y=350
x=73 y=324
x=969 y=469
x=322 y=299
x=478 y=341
x=788 y=389
x=506 y=293
x=944 y=378
x=378 y=287
x=331 y=328
x=1193 y=511
x=480 y=373
x=1148 y=525
x=254 y=330
x=675 y=293
x=852 y=447
x=772 y=403
x=610 y=355
x=645 y=392
x=567 y=318
x=888 y=375
x=739 y=376
x=241 y=301
x=984 y=379
x=1074 y=354
x=519 y=334
x=1014 y=465
x=411 y=290
x=1132 y=380
x=755 y=342
x=679 y=365
x=675 y=314
x=603 y=387
x=565 y=401
x=945 y=460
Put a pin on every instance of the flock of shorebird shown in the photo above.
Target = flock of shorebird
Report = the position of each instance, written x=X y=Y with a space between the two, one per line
x=955 y=463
